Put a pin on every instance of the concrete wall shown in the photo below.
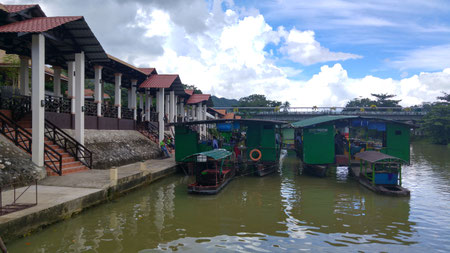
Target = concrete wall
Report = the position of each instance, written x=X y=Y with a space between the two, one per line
x=112 y=148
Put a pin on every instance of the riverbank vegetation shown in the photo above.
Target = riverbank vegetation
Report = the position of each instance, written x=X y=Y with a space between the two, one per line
x=436 y=123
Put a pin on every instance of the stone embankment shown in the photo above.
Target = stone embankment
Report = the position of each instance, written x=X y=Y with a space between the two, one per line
x=118 y=147
x=16 y=166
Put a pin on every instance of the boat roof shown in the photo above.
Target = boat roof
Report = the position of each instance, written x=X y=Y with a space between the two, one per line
x=218 y=121
x=330 y=118
x=215 y=154
x=375 y=157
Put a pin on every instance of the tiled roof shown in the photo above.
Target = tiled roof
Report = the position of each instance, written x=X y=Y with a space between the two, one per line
x=197 y=98
x=17 y=8
x=147 y=71
x=159 y=81
x=189 y=92
x=229 y=116
x=222 y=111
x=40 y=24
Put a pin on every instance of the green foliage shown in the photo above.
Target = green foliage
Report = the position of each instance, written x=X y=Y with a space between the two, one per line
x=437 y=122
x=382 y=100
x=257 y=100
x=9 y=75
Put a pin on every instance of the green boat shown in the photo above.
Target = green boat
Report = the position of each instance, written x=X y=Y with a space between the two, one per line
x=255 y=144
x=212 y=170
x=328 y=141
x=380 y=173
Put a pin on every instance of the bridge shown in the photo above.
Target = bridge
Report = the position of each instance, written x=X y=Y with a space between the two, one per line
x=293 y=114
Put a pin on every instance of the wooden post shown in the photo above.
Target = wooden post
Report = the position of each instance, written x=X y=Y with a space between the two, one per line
x=113 y=176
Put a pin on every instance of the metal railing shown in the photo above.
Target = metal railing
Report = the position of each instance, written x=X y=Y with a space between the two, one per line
x=127 y=113
x=14 y=206
x=18 y=104
x=68 y=143
x=23 y=139
x=57 y=104
x=109 y=111
x=90 y=108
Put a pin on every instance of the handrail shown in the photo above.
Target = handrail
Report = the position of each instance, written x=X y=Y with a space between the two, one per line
x=25 y=143
x=18 y=104
x=68 y=143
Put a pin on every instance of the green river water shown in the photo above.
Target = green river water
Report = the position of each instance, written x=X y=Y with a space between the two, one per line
x=283 y=212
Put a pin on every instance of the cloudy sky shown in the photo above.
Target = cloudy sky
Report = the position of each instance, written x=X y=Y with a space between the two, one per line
x=320 y=52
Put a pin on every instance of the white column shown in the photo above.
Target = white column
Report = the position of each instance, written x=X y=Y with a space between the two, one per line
x=98 y=89
x=70 y=84
x=199 y=111
x=141 y=101
x=117 y=96
x=24 y=77
x=171 y=106
x=57 y=81
x=181 y=110
x=160 y=101
x=129 y=98
x=37 y=97
x=133 y=98
x=204 y=112
x=194 y=112
x=175 y=110
x=79 y=97
x=148 y=104
x=166 y=105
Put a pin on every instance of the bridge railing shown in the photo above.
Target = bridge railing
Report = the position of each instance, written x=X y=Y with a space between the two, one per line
x=325 y=110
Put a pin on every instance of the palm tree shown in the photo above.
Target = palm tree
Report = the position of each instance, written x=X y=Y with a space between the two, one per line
x=286 y=106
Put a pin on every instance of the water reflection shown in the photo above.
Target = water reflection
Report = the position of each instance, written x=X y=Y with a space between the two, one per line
x=282 y=212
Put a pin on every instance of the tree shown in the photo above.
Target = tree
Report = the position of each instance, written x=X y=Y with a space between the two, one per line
x=257 y=100
x=360 y=102
x=384 y=100
x=437 y=122
x=286 y=106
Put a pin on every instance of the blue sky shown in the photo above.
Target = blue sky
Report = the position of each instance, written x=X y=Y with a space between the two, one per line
x=380 y=31
x=310 y=53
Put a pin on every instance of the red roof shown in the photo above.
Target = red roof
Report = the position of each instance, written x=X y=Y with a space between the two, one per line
x=197 y=98
x=189 y=92
x=159 y=81
x=40 y=24
x=17 y=8
x=148 y=71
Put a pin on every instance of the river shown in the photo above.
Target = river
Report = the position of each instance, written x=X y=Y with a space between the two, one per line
x=283 y=212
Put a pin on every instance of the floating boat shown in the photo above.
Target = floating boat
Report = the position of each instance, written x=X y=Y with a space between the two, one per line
x=380 y=173
x=213 y=171
x=255 y=145
x=327 y=141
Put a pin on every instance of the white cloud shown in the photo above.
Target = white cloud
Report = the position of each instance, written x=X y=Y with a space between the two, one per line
x=223 y=52
x=428 y=58
x=332 y=87
x=303 y=48
x=229 y=60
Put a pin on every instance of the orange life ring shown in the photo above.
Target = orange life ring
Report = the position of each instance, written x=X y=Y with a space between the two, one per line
x=255 y=159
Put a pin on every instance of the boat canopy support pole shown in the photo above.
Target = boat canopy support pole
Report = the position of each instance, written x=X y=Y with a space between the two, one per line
x=373 y=174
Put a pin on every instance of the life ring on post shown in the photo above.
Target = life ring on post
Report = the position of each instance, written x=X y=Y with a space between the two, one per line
x=255 y=159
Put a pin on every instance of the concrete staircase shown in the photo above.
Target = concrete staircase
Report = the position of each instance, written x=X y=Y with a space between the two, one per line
x=69 y=163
